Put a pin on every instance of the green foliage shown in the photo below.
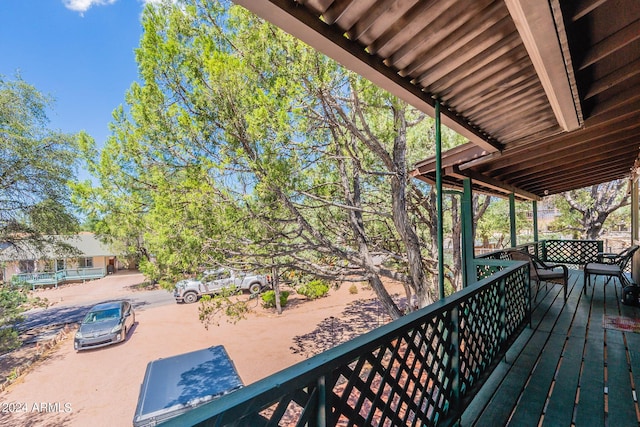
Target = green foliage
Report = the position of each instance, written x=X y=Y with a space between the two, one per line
x=494 y=226
x=314 y=289
x=269 y=299
x=13 y=375
x=36 y=165
x=584 y=212
x=225 y=304
x=38 y=302
x=11 y=301
x=278 y=158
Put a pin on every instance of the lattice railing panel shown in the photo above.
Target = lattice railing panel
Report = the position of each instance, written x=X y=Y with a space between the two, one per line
x=484 y=270
x=420 y=370
x=480 y=333
x=404 y=382
x=573 y=252
x=518 y=303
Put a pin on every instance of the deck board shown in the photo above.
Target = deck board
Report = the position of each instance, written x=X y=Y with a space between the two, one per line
x=532 y=401
x=590 y=409
x=621 y=407
x=566 y=369
x=560 y=408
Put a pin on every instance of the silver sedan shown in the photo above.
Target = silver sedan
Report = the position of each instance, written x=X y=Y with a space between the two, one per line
x=105 y=324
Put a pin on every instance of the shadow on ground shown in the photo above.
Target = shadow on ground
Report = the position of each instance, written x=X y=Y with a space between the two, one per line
x=358 y=317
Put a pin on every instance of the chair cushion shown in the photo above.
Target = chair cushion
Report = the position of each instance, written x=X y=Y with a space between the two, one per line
x=600 y=268
x=550 y=274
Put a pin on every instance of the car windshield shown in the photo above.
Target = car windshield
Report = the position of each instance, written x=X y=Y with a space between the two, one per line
x=102 y=315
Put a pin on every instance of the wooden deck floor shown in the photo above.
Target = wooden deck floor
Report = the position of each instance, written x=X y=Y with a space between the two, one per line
x=567 y=369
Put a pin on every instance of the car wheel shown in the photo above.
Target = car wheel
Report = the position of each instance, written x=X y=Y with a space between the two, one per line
x=255 y=288
x=190 y=297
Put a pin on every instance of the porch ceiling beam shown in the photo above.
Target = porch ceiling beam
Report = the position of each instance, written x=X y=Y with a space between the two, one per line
x=494 y=184
x=580 y=171
x=580 y=179
x=300 y=22
x=540 y=35
x=624 y=118
x=460 y=154
x=564 y=157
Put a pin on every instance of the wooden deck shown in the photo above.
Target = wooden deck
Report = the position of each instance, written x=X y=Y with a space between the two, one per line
x=567 y=369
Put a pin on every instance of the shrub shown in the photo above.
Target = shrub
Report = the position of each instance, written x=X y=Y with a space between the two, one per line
x=314 y=289
x=269 y=299
x=11 y=308
x=353 y=289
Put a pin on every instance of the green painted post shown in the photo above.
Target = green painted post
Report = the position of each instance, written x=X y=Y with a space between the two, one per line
x=635 y=226
x=635 y=211
x=512 y=219
x=468 y=255
x=322 y=402
x=439 y=201
x=534 y=208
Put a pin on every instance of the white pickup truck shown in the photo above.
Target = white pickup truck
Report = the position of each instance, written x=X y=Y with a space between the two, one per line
x=213 y=281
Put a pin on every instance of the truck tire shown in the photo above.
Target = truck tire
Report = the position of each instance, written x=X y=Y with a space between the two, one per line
x=190 y=297
x=254 y=288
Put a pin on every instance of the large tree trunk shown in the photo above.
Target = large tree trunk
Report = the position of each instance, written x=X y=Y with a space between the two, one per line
x=604 y=200
x=400 y=213
x=276 y=288
x=352 y=192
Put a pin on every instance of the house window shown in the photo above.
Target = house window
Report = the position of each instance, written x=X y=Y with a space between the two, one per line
x=86 y=262
x=27 y=266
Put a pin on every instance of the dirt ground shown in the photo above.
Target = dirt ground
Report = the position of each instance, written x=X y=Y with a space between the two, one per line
x=100 y=387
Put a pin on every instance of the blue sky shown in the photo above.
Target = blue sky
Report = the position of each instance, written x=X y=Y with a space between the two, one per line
x=80 y=52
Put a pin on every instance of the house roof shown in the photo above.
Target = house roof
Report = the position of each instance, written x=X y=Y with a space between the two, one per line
x=547 y=92
x=87 y=245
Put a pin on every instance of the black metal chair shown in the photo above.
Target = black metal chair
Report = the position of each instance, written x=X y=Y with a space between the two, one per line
x=614 y=267
x=541 y=272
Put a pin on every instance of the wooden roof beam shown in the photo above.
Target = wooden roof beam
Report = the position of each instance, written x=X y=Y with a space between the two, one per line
x=540 y=35
x=460 y=154
x=493 y=184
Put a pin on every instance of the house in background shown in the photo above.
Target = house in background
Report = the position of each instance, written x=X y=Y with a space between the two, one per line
x=45 y=264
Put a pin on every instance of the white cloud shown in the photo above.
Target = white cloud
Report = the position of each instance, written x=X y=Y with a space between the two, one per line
x=84 y=5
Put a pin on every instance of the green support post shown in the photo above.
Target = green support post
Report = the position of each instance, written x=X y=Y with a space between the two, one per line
x=321 y=416
x=635 y=226
x=439 y=201
x=534 y=208
x=635 y=211
x=512 y=219
x=468 y=255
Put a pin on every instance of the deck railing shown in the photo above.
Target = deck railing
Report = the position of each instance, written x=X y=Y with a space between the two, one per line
x=574 y=253
x=58 y=277
x=422 y=369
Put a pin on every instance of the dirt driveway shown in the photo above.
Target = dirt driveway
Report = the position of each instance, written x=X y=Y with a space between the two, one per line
x=100 y=387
